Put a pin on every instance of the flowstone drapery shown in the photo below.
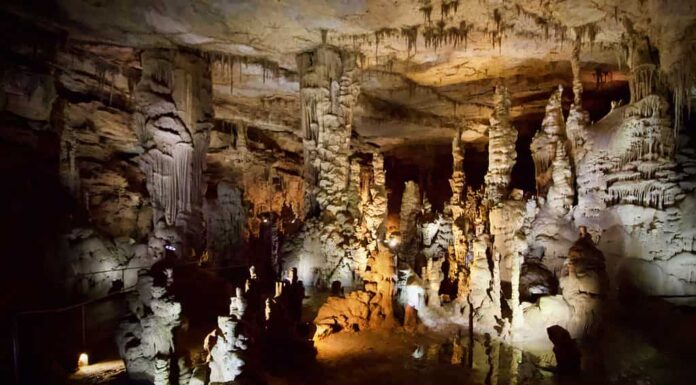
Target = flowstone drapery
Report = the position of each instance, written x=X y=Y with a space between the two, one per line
x=172 y=120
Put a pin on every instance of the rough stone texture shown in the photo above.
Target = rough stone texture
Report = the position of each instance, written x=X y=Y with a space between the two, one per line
x=173 y=120
x=505 y=221
x=226 y=356
x=546 y=142
x=327 y=249
x=361 y=309
x=328 y=91
x=484 y=302
x=501 y=147
x=632 y=187
x=225 y=223
x=145 y=339
x=578 y=118
x=408 y=225
x=560 y=194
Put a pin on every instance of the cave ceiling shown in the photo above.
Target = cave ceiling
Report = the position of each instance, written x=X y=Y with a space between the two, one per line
x=429 y=66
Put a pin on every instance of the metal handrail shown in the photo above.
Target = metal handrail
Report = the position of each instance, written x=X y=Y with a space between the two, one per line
x=81 y=305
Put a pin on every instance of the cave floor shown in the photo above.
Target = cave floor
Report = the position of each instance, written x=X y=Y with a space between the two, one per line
x=624 y=354
x=387 y=357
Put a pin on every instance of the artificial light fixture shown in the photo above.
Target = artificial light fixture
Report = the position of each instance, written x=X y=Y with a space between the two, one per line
x=393 y=242
x=170 y=247
x=82 y=360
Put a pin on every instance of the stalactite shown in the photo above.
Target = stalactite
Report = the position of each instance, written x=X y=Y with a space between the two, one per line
x=447 y=7
x=410 y=34
x=426 y=10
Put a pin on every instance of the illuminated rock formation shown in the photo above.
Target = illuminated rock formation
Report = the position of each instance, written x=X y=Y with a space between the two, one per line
x=560 y=194
x=578 y=118
x=410 y=210
x=501 y=147
x=633 y=188
x=483 y=305
x=546 y=142
x=328 y=91
x=146 y=339
x=172 y=121
x=326 y=249
x=578 y=308
x=455 y=210
x=227 y=353
x=375 y=207
x=362 y=309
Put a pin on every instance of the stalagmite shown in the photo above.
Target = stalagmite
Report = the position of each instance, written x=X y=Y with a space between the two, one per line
x=501 y=147
x=458 y=180
x=578 y=119
x=561 y=192
x=146 y=340
x=517 y=317
x=227 y=354
x=546 y=141
x=410 y=209
x=454 y=211
x=327 y=248
x=485 y=312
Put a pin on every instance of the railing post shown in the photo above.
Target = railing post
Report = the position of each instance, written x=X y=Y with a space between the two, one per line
x=84 y=333
x=15 y=347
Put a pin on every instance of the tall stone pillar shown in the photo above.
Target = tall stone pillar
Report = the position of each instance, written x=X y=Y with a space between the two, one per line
x=458 y=180
x=578 y=119
x=547 y=140
x=328 y=91
x=501 y=148
x=410 y=209
x=173 y=119
x=455 y=209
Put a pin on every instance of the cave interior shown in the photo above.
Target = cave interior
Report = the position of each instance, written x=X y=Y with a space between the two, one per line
x=348 y=192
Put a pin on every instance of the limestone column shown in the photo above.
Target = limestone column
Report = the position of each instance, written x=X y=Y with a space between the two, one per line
x=501 y=147
x=561 y=193
x=410 y=208
x=328 y=91
x=578 y=118
x=173 y=119
x=375 y=211
x=455 y=209
x=546 y=141
x=458 y=180
x=517 y=316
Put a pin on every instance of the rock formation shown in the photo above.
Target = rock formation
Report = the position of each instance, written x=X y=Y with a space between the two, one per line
x=546 y=142
x=501 y=147
x=173 y=121
x=411 y=208
x=362 y=309
x=145 y=339
x=227 y=354
x=328 y=91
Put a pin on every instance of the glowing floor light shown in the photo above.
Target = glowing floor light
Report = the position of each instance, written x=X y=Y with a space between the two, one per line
x=82 y=360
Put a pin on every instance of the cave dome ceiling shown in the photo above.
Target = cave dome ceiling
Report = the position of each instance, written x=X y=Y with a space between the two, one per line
x=429 y=67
